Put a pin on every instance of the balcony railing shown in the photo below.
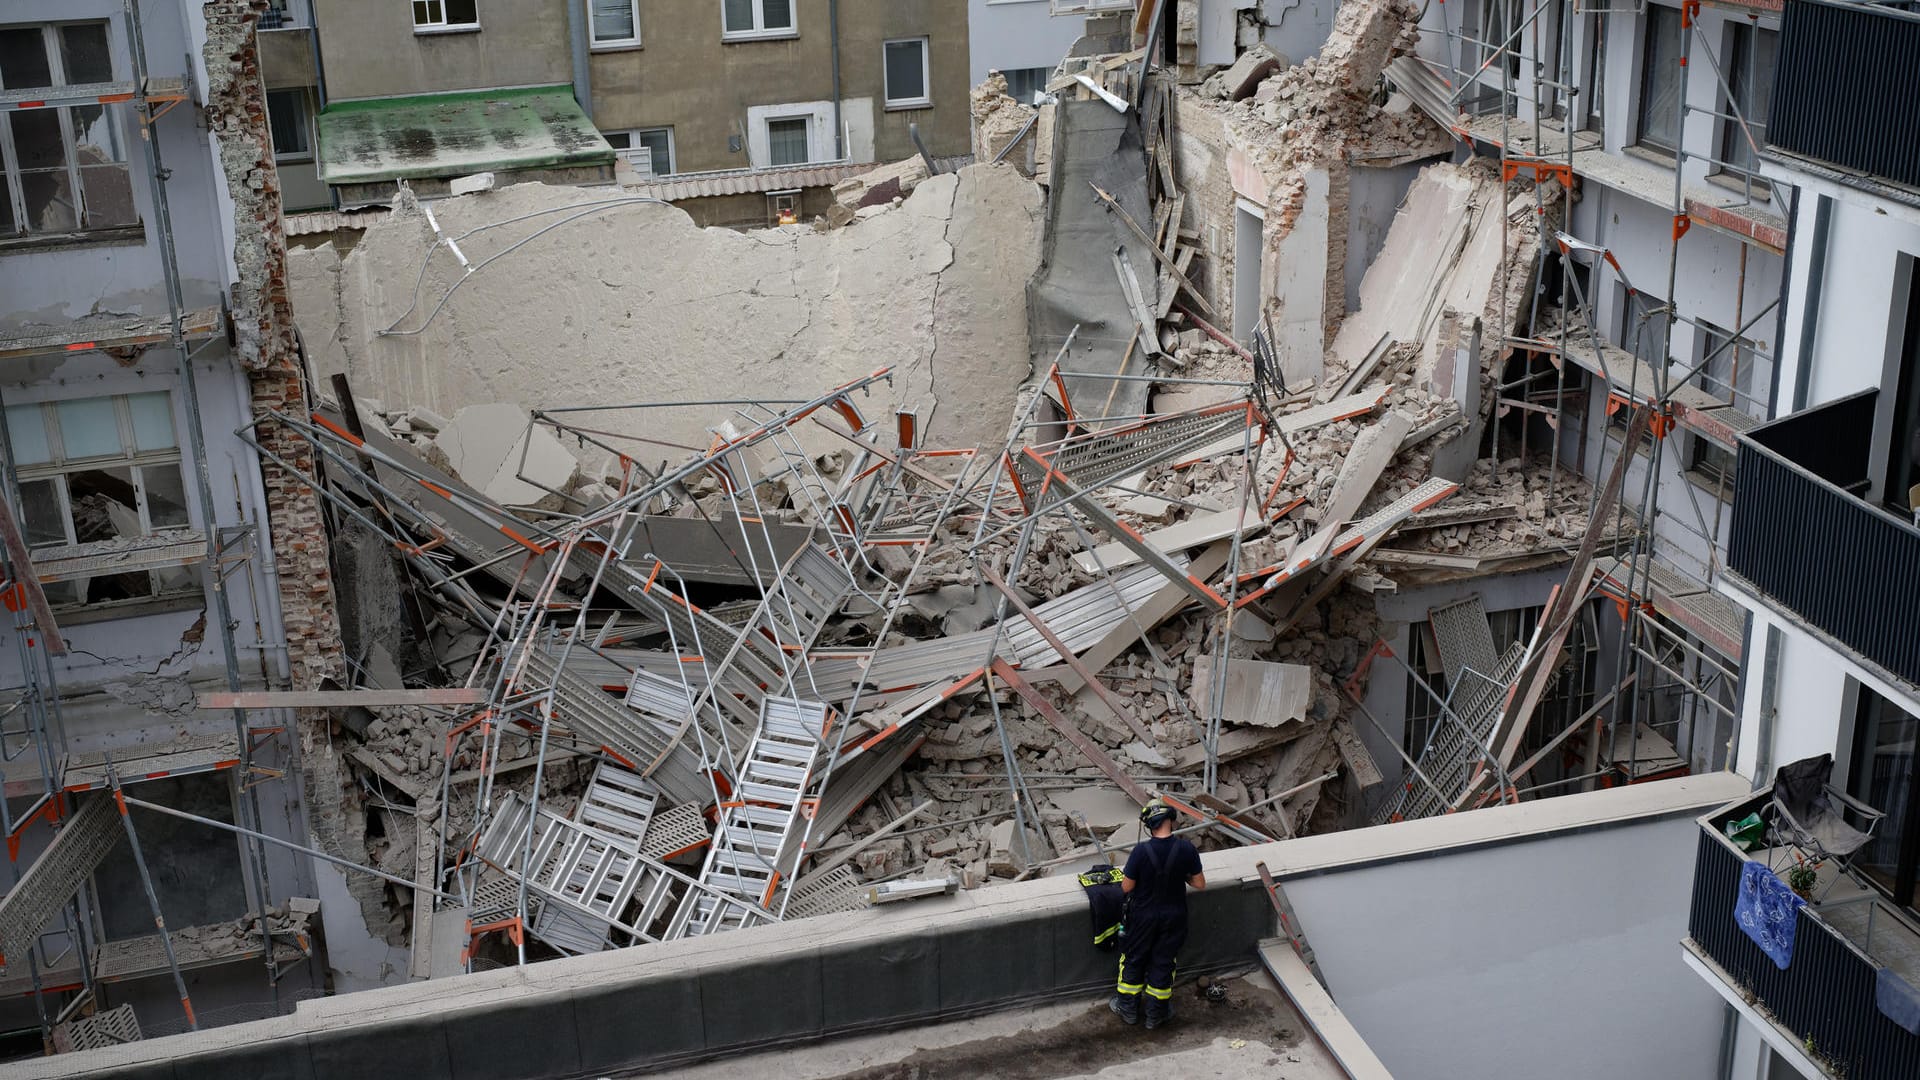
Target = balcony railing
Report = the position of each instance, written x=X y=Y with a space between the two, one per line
x=1803 y=535
x=1842 y=88
x=1825 y=996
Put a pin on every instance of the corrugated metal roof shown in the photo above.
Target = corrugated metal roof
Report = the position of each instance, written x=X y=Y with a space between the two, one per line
x=745 y=181
x=753 y=181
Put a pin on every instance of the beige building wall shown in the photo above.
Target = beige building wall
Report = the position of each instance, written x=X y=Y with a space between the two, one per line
x=683 y=76
x=371 y=49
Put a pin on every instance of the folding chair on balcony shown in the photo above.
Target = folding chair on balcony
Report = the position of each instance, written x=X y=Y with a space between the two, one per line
x=1808 y=813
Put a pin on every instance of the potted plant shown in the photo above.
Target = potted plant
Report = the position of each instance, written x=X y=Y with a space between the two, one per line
x=1802 y=876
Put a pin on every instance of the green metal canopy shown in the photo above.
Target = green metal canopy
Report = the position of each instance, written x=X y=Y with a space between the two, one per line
x=444 y=135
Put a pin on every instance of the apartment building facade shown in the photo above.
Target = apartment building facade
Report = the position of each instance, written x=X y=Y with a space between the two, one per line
x=144 y=321
x=1664 y=293
x=1024 y=40
x=1825 y=554
x=787 y=96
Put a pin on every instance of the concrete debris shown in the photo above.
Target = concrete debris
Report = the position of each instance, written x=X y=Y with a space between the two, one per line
x=761 y=573
x=496 y=449
x=998 y=120
x=1239 y=81
x=879 y=187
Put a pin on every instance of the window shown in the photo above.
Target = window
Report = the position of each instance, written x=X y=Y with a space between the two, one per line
x=96 y=471
x=197 y=877
x=445 y=14
x=1883 y=775
x=650 y=150
x=1749 y=73
x=1426 y=690
x=907 y=73
x=1023 y=83
x=756 y=18
x=1661 y=80
x=1500 y=22
x=1593 y=88
x=1726 y=370
x=783 y=207
x=615 y=23
x=787 y=141
x=66 y=167
x=287 y=119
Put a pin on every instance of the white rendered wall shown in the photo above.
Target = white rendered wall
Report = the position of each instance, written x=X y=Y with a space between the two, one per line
x=1008 y=35
x=1552 y=957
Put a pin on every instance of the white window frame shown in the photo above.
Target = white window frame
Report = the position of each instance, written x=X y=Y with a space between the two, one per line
x=760 y=31
x=925 y=100
x=819 y=118
x=437 y=23
x=614 y=43
x=766 y=134
x=59 y=467
x=635 y=147
x=12 y=176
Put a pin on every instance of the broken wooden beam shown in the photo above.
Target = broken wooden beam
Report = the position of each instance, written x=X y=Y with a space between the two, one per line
x=1134 y=226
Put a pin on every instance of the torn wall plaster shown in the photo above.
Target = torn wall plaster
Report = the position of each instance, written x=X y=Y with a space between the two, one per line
x=608 y=300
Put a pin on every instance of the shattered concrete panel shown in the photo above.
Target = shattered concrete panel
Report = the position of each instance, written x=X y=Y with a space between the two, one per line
x=613 y=300
x=1300 y=286
x=1445 y=253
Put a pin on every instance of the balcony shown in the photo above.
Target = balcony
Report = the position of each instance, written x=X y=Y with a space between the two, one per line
x=1825 y=998
x=1805 y=538
x=1842 y=92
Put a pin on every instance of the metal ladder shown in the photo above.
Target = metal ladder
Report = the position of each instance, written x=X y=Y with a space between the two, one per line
x=618 y=802
x=585 y=879
x=760 y=820
x=1456 y=748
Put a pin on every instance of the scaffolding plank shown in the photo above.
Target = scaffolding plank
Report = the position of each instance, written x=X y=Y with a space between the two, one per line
x=109 y=332
x=1463 y=637
x=329 y=699
x=159 y=551
x=87 y=771
x=1196 y=531
x=1694 y=607
x=70 y=857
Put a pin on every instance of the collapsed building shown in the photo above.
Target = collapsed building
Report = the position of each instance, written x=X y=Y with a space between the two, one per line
x=692 y=580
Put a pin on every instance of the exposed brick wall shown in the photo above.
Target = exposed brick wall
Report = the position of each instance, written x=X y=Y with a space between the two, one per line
x=264 y=330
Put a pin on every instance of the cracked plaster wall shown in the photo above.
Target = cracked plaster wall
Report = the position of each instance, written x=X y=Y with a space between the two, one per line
x=634 y=303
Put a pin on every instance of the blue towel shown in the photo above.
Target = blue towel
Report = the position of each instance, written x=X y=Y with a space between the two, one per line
x=1768 y=911
x=1897 y=1000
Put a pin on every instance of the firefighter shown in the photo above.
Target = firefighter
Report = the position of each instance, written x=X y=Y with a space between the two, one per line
x=1158 y=874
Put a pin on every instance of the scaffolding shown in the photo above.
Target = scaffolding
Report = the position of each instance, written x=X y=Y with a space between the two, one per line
x=1522 y=84
x=47 y=928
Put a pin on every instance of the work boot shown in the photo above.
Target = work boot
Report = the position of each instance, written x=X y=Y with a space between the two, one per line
x=1126 y=1007
x=1158 y=1012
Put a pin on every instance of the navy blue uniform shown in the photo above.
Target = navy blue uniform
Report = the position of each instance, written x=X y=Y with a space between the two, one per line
x=1157 y=916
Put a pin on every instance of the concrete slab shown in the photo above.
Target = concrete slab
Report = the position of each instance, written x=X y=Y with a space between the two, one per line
x=491 y=447
x=1254 y=1032
x=1102 y=807
x=1258 y=692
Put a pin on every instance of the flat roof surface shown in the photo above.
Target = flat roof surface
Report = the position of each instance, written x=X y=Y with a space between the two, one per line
x=1254 y=1032
x=440 y=135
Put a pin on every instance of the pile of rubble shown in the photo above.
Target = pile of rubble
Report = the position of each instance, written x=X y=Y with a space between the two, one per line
x=809 y=659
